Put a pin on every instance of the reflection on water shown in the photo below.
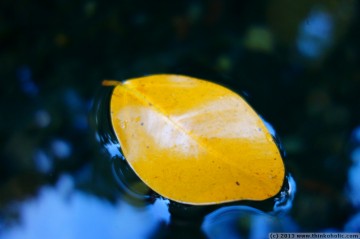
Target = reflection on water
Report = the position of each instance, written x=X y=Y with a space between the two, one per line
x=353 y=224
x=63 y=212
x=48 y=78
x=353 y=185
x=354 y=171
x=248 y=222
x=315 y=34
x=284 y=200
x=27 y=84
x=245 y=222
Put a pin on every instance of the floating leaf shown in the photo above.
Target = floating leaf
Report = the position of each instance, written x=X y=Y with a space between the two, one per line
x=194 y=141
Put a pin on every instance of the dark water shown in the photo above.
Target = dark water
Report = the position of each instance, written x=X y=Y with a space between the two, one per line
x=295 y=62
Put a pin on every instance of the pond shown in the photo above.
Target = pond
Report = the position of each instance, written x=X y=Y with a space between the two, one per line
x=296 y=64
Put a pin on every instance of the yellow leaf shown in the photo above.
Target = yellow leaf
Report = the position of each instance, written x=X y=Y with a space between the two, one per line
x=194 y=141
